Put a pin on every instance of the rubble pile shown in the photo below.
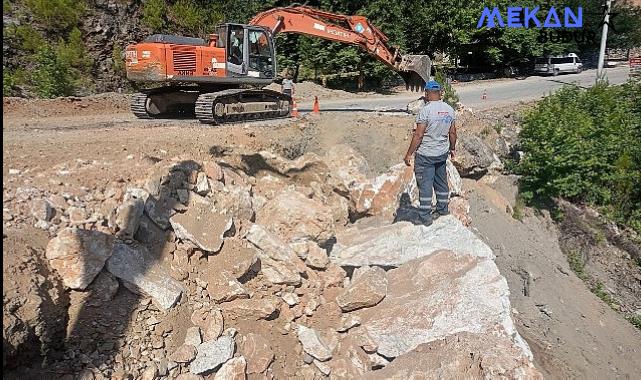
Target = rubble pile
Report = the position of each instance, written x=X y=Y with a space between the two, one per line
x=256 y=266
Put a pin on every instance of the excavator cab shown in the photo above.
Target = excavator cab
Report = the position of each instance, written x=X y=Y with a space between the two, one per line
x=249 y=51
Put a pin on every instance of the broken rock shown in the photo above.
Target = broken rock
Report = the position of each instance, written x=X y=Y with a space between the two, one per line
x=475 y=356
x=211 y=322
x=184 y=354
x=202 y=226
x=226 y=288
x=128 y=216
x=212 y=355
x=316 y=257
x=452 y=292
x=193 y=336
x=233 y=369
x=251 y=308
x=312 y=343
x=278 y=260
x=202 y=184
x=395 y=244
x=41 y=209
x=160 y=210
x=79 y=255
x=366 y=291
x=258 y=352
x=134 y=264
x=294 y=217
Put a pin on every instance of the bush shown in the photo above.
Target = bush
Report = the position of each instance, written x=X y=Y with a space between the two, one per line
x=56 y=14
x=118 y=61
x=8 y=82
x=585 y=146
x=153 y=14
x=51 y=76
x=30 y=40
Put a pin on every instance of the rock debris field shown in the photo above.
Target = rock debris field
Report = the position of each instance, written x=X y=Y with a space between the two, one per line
x=251 y=265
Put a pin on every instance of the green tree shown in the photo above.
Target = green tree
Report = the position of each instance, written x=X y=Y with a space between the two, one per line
x=585 y=146
x=56 y=15
x=153 y=14
x=51 y=76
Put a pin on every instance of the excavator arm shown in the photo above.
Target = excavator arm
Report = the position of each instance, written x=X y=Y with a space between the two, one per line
x=353 y=30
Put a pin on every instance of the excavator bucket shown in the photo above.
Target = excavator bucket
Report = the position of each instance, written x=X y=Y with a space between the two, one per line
x=415 y=71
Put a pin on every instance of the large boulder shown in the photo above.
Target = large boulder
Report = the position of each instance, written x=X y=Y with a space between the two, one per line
x=142 y=273
x=395 y=244
x=295 y=217
x=201 y=225
x=474 y=157
x=279 y=263
x=348 y=166
x=79 y=255
x=452 y=292
x=381 y=195
x=368 y=289
x=462 y=355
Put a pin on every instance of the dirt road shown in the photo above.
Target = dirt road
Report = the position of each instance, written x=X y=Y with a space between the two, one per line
x=77 y=146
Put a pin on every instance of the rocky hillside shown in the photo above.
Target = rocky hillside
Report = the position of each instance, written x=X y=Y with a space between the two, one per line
x=253 y=265
x=86 y=40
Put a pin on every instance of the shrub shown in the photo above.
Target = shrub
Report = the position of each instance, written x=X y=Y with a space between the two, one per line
x=8 y=81
x=585 y=146
x=153 y=14
x=56 y=14
x=51 y=76
x=30 y=40
x=118 y=62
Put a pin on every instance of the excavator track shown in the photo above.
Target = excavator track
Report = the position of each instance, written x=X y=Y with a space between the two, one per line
x=139 y=106
x=164 y=102
x=238 y=105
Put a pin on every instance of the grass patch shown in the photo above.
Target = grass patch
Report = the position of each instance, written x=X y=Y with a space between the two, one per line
x=577 y=264
x=600 y=292
x=518 y=211
x=498 y=127
x=635 y=320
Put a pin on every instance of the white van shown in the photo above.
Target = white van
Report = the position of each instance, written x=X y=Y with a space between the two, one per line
x=555 y=65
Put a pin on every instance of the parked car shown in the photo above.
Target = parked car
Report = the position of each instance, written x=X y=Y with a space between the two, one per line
x=555 y=65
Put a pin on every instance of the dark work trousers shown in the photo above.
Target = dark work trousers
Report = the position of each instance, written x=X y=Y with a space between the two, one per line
x=431 y=173
x=287 y=92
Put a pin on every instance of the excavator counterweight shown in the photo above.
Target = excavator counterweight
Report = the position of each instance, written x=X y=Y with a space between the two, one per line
x=209 y=78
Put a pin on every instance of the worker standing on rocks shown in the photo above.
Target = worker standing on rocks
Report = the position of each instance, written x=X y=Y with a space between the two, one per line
x=434 y=139
x=287 y=87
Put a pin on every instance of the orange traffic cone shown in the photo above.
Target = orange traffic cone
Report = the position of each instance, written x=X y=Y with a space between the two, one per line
x=316 y=108
x=484 y=96
x=294 y=108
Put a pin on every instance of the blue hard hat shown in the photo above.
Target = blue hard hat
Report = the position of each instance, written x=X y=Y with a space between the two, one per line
x=432 y=86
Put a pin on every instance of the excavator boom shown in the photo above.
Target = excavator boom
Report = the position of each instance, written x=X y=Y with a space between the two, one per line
x=354 y=30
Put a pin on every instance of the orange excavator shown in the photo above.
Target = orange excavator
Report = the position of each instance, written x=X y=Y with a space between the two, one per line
x=221 y=80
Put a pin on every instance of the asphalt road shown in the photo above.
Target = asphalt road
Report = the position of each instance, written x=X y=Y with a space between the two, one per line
x=499 y=92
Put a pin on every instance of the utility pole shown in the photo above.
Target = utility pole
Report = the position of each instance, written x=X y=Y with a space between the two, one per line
x=600 y=72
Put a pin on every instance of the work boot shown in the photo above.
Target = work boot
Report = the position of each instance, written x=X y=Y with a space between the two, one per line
x=437 y=214
x=423 y=222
